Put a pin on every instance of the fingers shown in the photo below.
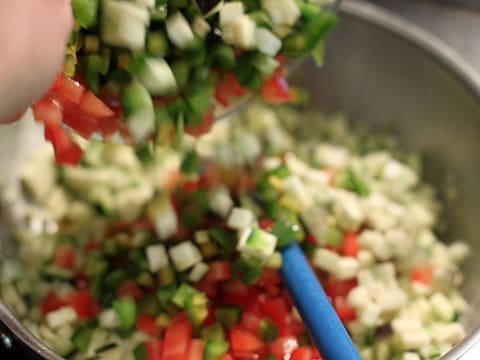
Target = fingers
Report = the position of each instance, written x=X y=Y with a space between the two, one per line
x=33 y=36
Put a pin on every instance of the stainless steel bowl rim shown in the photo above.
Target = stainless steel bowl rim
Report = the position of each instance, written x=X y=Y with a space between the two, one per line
x=426 y=42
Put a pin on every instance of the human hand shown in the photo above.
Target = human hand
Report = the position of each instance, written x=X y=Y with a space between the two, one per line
x=33 y=36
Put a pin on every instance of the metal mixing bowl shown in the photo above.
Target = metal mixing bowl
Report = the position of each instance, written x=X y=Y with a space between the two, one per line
x=377 y=67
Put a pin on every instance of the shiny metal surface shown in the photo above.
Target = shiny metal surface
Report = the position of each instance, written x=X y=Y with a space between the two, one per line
x=380 y=68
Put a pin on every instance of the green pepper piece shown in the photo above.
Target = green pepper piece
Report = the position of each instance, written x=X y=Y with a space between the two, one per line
x=81 y=338
x=157 y=43
x=144 y=153
x=165 y=294
x=267 y=330
x=196 y=308
x=333 y=237
x=270 y=356
x=284 y=231
x=190 y=163
x=215 y=349
x=213 y=333
x=148 y=304
x=85 y=12
x=228 y=314
x=304 y=40
x=93 y=67
x=249 y=269
x=181 y=71
x=115 y=278
x=261 y=18
x=350 y=180
x=140 y=353
x=182 y=294
x=309 y=11
x=180 y=129
x=126 y=310
x=223 y=56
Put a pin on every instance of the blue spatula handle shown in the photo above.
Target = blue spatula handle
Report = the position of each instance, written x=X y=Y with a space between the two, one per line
x=323 y=324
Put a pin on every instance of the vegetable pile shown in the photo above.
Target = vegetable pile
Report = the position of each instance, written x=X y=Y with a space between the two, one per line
x=173 y=254
x=148 y=69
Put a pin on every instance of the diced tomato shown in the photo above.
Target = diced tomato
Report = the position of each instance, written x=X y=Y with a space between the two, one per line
x=226 y=357
x=93 y=106
x=92 y=245
x=51 y=302
x=180 y=317
x=345 y=312
x=196 y=350
x=209 y=288
x=64 y=256
x=251 y=320
x=223 y=94
x=147 y=324
x=422 y=273
x=282 y=59
x=246 y=355
x=291 y=326
x=276 y=309
x=302 y=353
x=48 y=110
x=204 y=126
x=66 y=150
x=84 y=124
x=265 y=223
x=112 y=100
x=334 y=287
x=108 y=126
x=331 y=173
x=236 y=292
x=83 y=303
x=349 y=245
x=282 y=347
x=269 y=277
x=228 y=88
x=172 y=179
x=130 y=288
x=141 y=224
x=233 y=84
x=154 y=349
x=244 y=341
x=275 y=90
x=71 y=90
x=81 y=280
x=57 y=83
x=210 y=319
x=177 y=341
x=311 y=239
x=189 y=186
x=315 y=354
x=244 y=182
x=218 y=271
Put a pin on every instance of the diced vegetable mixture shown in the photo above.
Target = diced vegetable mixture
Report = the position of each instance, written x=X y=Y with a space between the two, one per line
x=174 y=254
x=144 y=69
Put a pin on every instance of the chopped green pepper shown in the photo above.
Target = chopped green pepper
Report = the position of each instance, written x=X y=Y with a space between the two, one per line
x=213 y=333
x=165 y=294
x=126 y=310
x=85 y=12
x=196 y=308
x=215 y=349
x=228 y=314
x=182 y=294
x=267 y=330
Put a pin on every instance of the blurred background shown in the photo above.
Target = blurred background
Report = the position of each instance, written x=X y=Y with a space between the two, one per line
x=457 y=22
